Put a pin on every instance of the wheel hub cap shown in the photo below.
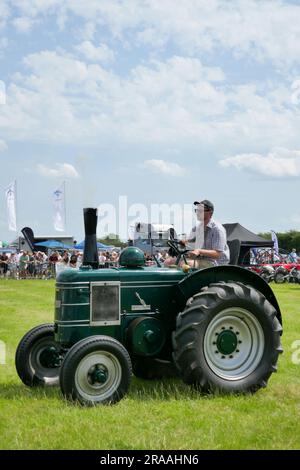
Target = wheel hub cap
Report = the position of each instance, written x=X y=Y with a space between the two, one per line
x=50 y=358
x=227 y=342
x=99 y=374
x=234 y=343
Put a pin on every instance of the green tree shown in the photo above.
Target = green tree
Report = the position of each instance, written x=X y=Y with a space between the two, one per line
x=286 y=240
x=112 y=239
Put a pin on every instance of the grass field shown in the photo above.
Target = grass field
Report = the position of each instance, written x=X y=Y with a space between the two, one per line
x=154 y=415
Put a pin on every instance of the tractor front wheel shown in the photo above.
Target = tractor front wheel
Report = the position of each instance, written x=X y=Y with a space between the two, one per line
x=96 y=370
x=38 y=357
x=227 y=339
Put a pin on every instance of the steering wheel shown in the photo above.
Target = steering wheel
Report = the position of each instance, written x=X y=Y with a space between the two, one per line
x=180 y=253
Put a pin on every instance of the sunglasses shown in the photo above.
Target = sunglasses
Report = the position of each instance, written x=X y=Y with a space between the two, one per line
x=202 y=210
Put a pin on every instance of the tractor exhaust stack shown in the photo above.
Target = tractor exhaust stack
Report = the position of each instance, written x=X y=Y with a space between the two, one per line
x=90 y=253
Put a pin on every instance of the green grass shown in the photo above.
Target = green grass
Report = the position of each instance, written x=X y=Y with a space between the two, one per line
x=154 y=415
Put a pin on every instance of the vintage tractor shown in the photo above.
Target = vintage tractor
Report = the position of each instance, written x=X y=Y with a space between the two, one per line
x=218 y=328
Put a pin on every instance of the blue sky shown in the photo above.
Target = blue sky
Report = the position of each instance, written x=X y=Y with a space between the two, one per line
x=162 y=101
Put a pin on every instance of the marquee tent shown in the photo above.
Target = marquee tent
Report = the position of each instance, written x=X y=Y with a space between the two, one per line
x=241 y=240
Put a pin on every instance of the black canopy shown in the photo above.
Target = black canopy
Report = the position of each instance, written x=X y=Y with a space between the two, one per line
x=240 y=240
x=237 y=232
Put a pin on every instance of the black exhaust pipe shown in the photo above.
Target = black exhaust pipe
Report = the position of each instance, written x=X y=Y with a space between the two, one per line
x=90 y=253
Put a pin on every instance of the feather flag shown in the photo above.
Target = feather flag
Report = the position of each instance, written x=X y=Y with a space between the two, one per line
x=59 y=218
x=11 y=202
x=275 y=240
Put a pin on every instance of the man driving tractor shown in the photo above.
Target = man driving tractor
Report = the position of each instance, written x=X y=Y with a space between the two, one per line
x=207 y=240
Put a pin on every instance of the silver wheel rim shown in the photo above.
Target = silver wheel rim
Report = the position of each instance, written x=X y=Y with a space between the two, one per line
x=247 y=355
x=50 y=376
x=98 y=392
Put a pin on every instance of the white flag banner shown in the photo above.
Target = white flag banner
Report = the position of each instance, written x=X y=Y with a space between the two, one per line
x=275 y=240
x=11 y=199
x=59 y=218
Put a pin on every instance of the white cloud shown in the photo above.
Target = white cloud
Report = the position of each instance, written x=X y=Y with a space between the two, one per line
x=165 y=168
x=62 y=98
x=23 y=24
x=36 y=7
x=62 y=170
x=4 y=13
x=280 y=163
x=2 y=93
x=3 y=145
x=3 y=46
x=59 y=68
x=96 y=54
x=245 y=28
x=176 y=101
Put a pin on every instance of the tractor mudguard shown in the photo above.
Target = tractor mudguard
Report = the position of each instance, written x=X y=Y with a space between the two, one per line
x=192 y=283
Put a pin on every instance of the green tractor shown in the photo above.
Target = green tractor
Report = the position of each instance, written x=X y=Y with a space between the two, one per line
x=218 y=329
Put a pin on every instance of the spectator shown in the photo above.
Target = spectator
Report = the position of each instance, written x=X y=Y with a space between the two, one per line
x=23 y=263
x=53 y=259
x=79 y=258
x=40 y=264
x=62 y=264
x=65 y=259
x=3 y=264
x=73 y=261
x=292 y=257
x=102 y=260
x=13 y=266
x=114 y=257
x=31 y=265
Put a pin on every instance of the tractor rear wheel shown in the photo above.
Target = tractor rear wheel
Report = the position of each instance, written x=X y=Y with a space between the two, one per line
x=96 y=370
x=227 y=339
x=38 y=357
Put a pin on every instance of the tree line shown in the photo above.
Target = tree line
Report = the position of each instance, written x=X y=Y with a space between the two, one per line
x=286 y=240
x=112 y=239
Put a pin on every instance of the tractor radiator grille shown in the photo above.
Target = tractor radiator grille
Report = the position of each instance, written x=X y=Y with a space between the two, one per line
x=105 y=303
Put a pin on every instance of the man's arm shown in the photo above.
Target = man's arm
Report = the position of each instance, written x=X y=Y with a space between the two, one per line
x=218 y=244
x=214 y=254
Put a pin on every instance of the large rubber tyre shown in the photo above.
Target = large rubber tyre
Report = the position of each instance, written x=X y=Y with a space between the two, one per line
x=227 y=339
x=96 y=370
x=153 y=369
x=38 y=357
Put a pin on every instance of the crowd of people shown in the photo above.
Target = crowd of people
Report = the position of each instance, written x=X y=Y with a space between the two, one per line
x=269 y=256
x=27 y=265
x=39 y=265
